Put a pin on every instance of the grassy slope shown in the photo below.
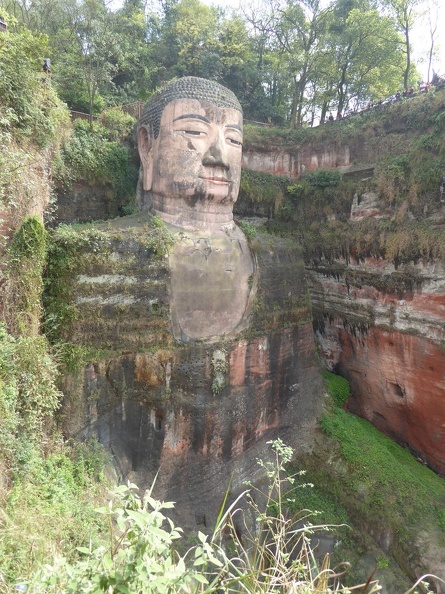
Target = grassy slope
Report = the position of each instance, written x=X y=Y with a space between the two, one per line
x=364 y=479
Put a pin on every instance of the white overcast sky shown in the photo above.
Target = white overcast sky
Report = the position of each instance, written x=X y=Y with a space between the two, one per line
x=420 y=38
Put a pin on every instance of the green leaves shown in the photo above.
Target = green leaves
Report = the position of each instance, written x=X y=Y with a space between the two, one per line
x=139 y=558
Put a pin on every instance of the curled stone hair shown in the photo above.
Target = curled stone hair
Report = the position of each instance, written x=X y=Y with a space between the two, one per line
x=188 y=87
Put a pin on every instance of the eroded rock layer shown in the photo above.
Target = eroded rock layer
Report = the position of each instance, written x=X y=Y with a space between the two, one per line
x=383 y=330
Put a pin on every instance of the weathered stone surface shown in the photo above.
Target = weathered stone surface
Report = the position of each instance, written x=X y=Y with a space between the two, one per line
x=388 y=344
x=294 y=162
x=368 y=205
x=397 y=383
x=190 y=145
x=212 y=284
x=84 y=201
x=202 y=410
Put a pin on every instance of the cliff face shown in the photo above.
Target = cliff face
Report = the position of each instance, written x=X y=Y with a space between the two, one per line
x=198 y=412
x=293 y=162
x=374 y=253
x=389 y=347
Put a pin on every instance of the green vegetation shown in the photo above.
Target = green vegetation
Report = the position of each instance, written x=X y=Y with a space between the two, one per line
x=399 y=242
x=364 y=479
x=116 y=57
x=29 y=108
x=323 y=178
x=46 y=482
x=141 y=553
x=285 y=65
x=23 y=292
x=87 y=248
x=398 y=498
x=65 y=248
x=337 y=387
x=94 y=155
x=261 y=191
x=33 y=123
x=50 y=506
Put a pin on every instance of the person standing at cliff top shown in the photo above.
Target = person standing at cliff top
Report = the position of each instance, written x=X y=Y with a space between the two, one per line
x=190 y=145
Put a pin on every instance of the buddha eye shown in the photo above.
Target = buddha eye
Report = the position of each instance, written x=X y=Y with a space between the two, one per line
x=234 y=141
x=193 y=132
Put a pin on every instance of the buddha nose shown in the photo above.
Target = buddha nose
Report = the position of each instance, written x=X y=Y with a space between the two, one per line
x=216 y=154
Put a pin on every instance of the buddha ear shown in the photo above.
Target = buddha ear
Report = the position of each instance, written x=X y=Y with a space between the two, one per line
x=145 y=146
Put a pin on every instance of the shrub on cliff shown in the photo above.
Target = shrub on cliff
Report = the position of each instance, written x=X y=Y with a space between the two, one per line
x=96 y=156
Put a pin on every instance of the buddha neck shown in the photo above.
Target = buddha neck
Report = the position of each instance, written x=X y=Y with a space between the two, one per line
x=202 y=215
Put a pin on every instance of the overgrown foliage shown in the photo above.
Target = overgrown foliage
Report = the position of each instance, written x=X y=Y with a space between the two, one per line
x=33 y=122
x=370 y=480
x=65 y=247
x=28 y=392
x=22 y=294
x=284 y=65
x=96 y=156
x=48 y=486
x=49 y=508
x=398 y=242
x=260 y=193
x=259 y=550
x=69 y=248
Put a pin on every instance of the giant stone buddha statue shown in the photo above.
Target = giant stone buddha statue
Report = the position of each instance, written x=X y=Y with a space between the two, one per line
x=190 y=143
x=213 y=345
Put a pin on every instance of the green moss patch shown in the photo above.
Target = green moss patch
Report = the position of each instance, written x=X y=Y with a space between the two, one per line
x=109 y=248
x=375 y=482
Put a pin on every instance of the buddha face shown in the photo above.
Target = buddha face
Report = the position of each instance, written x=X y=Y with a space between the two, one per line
x=195 y=162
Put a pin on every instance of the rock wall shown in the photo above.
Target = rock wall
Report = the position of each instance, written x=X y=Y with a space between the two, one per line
x=201 y=413
x=85 y=201
x=383 y=329
x=294 y=162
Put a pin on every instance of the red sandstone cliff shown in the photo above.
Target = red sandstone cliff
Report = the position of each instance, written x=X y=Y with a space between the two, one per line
x=380 y=322
x=390 y=348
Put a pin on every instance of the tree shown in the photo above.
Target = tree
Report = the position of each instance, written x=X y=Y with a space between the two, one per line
x=433 y=25
x=405 y=13
x=300 y=29
x=365 y=51
x=268 y=96
x=131 y=79
x=98 y=49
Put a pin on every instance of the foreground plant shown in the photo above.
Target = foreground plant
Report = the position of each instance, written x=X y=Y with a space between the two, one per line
x=256 y=548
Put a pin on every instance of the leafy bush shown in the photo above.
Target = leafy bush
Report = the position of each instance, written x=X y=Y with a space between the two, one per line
x=248 y=229
x=274 y=553
x=119 y=124
x=28 y=104
x=45 y=483
x=32 y=118
x=28 y=389
x=23 y=292
x=92 y=156
x=323 y=178
x=50 y=506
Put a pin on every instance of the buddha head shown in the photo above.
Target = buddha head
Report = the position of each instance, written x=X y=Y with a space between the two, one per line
x=190 y=145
